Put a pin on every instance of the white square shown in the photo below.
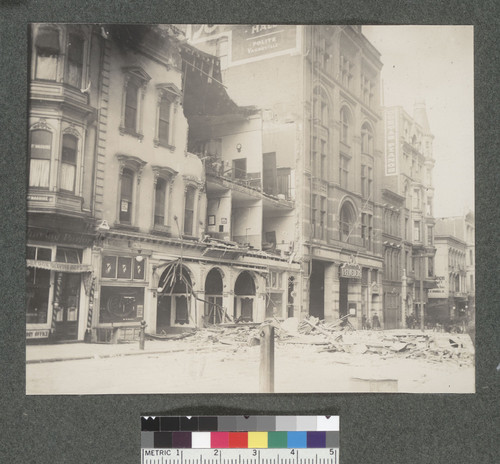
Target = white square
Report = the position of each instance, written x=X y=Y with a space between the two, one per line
x=200 y=440
x=306 y=423
x=328 y=423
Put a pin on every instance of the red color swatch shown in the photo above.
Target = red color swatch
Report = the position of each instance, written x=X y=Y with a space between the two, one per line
x=238 y=440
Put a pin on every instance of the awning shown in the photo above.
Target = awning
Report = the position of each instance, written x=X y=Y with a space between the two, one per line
x=61 y=267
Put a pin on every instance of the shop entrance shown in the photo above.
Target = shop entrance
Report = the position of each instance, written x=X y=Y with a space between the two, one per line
x=214 y=312
x=343 y=297
x=317 y=290
x=67 y=297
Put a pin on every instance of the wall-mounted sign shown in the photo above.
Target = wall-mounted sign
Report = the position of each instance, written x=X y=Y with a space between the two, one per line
x=391 y=143
x=38 y=333
x=350 y=271
x=39 y=198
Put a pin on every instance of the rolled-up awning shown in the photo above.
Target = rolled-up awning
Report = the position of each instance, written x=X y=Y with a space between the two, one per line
x=61 y=267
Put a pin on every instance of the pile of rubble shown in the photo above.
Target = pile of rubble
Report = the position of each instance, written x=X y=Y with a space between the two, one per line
x=341 y=337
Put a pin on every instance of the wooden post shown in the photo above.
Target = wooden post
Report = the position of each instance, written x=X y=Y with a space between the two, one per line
x=266 y=369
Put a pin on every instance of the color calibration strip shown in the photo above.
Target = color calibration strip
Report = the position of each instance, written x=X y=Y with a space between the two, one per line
x=240 y=432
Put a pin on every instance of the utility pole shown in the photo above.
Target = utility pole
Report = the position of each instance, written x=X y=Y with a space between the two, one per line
x=422 y=322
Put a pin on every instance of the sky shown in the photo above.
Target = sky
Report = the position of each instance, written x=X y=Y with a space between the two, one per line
x=435 y=63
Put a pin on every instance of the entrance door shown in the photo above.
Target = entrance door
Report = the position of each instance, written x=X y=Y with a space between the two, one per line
x=67 y=316
x=317 y=290
x=343 y=297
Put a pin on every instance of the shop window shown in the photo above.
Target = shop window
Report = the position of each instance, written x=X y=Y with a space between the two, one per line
x=68 y=255
x=37 y=295
x=68 y=162
x=40 y=157
x=75 y=60
x=133 y=94
x=122 y=268
x=47 y=51
x=121 y=304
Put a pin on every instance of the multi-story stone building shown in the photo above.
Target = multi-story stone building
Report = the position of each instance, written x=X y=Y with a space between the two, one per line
x=454 y=297
x=322 y=146
x=408 y=213
x=119 y=219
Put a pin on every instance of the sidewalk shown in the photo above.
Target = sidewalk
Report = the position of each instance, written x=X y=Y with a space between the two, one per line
x=76 y=351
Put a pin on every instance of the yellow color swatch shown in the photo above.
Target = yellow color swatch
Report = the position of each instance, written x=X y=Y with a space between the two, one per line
x=257 y=439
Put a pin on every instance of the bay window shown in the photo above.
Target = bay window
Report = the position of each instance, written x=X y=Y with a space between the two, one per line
x=75 y=60
x=47 y=51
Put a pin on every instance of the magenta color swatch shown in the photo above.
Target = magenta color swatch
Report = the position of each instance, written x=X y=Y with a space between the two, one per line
x=219 y=440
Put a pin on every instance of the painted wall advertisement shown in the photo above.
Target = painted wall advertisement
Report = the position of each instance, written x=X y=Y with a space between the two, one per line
x=247 y=43
x=391 y=144
x=441 y=289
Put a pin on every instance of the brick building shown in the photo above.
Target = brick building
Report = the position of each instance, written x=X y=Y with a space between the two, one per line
x=322 y=146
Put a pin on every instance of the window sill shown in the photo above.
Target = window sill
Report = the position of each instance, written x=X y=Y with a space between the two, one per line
x=159 y=143
x=158 y=229
x=124 y=130
x=189 y=237
x=118 y=225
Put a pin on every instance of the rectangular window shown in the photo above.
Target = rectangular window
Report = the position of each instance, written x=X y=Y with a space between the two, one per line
x=343 y=171
x=416 y=231
x=75 y=60
x=189 y=211
x=131 y=105
x=164 y=121
x=160 y=193
x=406 y=228
x=314 y=157
x=322 y=219
x=68 y=162
x=430 y=238
x=47 y=53
x=430 y=267
x=40 y=154
x=314 y=212
x=121 y=304
x=126 y=193
x=37 y=295
x=323 y=172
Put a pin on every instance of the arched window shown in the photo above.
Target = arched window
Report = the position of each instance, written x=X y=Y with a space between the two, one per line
x=367 y=139
x=68 y=162
x=47 y=49
x=345 y=123
x=347 y=221
x=40 y=155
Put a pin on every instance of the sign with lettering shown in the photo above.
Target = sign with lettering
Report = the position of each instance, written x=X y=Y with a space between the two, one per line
x=252 y=41
x=38 y=333
x=441 y=288
x=61 y=267
x=350 y=271
x=40 y=198
x=391 y=143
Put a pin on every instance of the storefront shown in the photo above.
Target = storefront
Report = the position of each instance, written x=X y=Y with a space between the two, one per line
x=57 y=287
x=122 y=290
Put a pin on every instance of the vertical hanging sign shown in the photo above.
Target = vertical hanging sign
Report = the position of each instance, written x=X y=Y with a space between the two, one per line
x=391 y=143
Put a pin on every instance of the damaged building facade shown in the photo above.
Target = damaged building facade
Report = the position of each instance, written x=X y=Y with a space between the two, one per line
x=408 y=232
x=322 y=149
x=126 y=223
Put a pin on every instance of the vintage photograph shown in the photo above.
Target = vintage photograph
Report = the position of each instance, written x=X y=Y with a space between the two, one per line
x=250 y=209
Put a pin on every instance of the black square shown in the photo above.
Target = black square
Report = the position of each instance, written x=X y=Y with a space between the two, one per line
x=207 y=424
x=163 y=440
x=150 y=424
x=189 y=425
x=170 y=423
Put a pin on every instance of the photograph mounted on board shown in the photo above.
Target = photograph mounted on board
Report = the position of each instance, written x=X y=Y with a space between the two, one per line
x=250 y=208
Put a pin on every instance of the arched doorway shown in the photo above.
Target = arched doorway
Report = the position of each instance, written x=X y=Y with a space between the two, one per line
x=174 y=299
x=244 y=297
x=214 y=312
